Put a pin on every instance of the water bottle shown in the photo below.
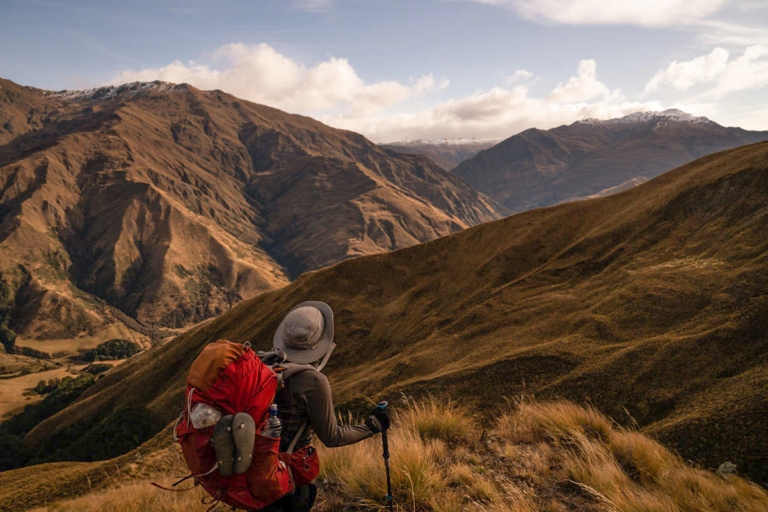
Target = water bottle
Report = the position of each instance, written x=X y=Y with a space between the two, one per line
x=204 y=416
x=274 y=425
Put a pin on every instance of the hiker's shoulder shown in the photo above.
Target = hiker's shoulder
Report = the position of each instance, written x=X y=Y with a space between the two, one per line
x=311 y=377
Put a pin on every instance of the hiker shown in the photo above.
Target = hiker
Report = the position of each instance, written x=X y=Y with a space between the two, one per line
x=246 y=429
x=305 y=336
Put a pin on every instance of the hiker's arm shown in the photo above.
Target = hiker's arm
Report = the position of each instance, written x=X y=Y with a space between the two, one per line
x=322 y=416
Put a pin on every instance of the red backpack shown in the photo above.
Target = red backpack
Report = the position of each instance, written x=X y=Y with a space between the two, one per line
x=231 y=378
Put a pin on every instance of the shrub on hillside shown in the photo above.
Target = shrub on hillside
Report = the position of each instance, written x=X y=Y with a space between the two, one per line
x=112 y=350
x=95 y=440
x=7 y=336
x=44 y=387
x=96 y=368
x=67 y=390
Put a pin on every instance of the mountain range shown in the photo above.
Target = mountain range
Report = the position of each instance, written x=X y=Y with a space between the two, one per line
x=159 y=205
x=652 y=304
x=590 y=158
x=447 y=153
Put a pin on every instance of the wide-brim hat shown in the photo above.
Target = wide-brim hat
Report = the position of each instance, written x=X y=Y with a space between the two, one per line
x=282 y=339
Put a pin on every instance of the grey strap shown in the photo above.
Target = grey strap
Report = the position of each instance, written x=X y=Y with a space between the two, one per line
x=178 y=420
x=326 y=358
x=291 y=369
x=296 y=438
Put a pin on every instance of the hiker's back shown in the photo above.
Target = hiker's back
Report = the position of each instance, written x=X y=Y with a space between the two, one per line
x=292 y=401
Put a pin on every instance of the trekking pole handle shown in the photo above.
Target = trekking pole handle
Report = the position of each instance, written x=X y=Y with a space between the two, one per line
x=381 y=406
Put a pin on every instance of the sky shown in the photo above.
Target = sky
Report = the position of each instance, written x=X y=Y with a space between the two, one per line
x=409 y=69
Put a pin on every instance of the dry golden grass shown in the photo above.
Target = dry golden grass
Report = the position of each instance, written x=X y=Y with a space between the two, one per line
x=437 y=418
x=553 y=420
x=357 y=472
x=12 y=363
x=136 y=496
x=620 y=469
x=12 y=391
x=538 y=457
x=84 y=341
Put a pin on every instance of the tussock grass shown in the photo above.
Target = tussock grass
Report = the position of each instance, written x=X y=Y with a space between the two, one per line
x=134 y=496
x=437 y=418
x=537 y=457
x=357 y=471
x=553 y=421
x=619 y=469
x=478 y=487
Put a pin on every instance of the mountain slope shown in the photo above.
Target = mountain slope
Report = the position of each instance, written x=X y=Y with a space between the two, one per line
x=447 y=153
x=169 y=204
x=651 y=302
x=589 y=158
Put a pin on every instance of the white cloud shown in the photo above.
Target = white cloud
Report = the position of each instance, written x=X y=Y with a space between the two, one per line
x=500 y=112
x=427 y=83
x=683 y=75
x=262 y=75
x=739 y=33
x=333 y=92
x=583 y=87
x=749 y=71
x=647 y=13
x=312 y=5
x=753 y=117
x=520 y=75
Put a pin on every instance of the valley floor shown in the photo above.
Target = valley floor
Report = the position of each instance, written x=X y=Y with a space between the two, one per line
x=548 y=457
x=16 y=392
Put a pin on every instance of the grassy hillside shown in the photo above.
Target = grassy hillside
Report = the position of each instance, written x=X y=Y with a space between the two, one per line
x=157 y=205
x=549 y=457
x=650 y=303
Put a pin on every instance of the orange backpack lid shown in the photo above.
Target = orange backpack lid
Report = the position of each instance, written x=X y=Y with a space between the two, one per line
x=212 y=360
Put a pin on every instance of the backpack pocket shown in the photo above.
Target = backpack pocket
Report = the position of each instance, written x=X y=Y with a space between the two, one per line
x=304 y=465
x=269 y=479
x=197 y=450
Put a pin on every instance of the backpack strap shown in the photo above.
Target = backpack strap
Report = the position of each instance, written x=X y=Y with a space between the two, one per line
x=296 y=438
x=326 y=357
x=284 y=369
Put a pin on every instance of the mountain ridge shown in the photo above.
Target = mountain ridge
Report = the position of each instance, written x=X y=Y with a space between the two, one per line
x=171 y=204
x=447 y=153
x=538 y=168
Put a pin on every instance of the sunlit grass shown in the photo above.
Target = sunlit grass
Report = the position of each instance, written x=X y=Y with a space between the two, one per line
x=537 y=457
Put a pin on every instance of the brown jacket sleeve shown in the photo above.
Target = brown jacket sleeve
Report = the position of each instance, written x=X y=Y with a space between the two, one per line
x=322 y=415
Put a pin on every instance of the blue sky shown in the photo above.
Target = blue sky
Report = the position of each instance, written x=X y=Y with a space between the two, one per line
x=396 y=69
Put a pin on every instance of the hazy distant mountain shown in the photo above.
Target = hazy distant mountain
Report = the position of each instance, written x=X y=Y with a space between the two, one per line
x=588 y=158
x=170 y=204
x=447 y=153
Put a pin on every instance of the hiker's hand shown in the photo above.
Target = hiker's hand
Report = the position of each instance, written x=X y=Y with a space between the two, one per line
x=378 y=420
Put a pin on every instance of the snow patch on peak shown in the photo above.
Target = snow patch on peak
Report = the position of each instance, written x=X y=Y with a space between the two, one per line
x=114 y=91
x=442 y=142
x=671 y=114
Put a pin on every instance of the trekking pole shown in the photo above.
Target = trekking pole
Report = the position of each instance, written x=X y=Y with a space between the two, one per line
x=382 y=406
